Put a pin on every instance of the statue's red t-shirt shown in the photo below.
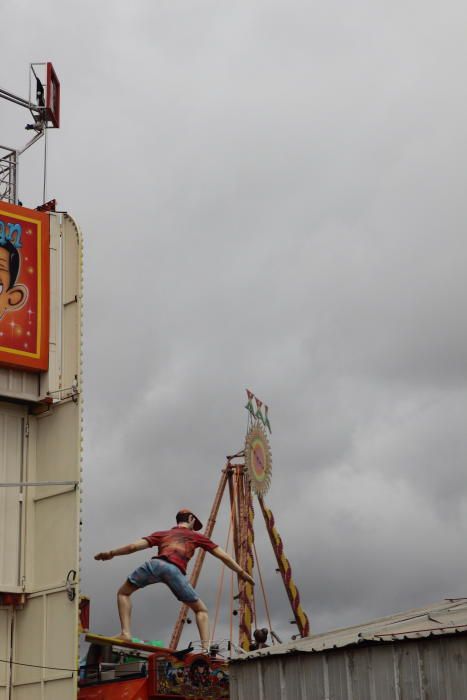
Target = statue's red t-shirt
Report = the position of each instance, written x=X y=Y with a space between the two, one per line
x=178 y=545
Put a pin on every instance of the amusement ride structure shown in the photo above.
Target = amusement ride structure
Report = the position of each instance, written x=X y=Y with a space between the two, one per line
x=248 y=474
x=117 y=669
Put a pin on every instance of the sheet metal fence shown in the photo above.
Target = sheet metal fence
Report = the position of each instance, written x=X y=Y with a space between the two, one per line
x=426 y=669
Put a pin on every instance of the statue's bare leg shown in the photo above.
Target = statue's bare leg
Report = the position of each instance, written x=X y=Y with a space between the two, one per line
x=202 y=621
x=124 y=609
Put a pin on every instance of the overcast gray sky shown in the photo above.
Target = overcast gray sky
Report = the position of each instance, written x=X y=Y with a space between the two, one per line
x=273 y=196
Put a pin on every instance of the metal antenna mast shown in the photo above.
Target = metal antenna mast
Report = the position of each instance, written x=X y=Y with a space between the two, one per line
x=45 y=111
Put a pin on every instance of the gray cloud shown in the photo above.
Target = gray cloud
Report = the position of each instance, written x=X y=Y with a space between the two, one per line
x=272 y=196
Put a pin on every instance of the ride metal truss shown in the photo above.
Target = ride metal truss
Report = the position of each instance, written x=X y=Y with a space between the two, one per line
x=46 y=114
x=235 y=476
x=8 y=174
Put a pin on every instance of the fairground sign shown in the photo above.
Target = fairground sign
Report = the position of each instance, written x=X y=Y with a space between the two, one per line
x=24 y=288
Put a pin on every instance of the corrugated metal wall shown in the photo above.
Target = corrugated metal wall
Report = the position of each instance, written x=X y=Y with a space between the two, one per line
x=426 y=669
x=39 y=525
x=12 y=420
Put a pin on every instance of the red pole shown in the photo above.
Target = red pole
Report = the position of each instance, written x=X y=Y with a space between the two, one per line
x=285 y=569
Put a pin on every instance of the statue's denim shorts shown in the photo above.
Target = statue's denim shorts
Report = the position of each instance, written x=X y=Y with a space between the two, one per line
x=161 y=571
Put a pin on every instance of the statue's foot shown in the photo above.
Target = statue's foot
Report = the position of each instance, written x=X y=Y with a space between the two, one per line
x=122 y=636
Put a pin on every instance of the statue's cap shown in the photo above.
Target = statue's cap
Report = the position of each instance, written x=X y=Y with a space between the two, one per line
x=186 y=511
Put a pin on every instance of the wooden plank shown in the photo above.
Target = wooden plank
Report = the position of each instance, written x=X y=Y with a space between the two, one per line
x=115 y=642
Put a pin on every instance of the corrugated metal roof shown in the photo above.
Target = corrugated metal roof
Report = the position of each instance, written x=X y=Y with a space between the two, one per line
x=444 y=618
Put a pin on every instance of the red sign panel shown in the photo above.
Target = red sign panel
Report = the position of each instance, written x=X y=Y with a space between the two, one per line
x=24 y=288
x=53 y=96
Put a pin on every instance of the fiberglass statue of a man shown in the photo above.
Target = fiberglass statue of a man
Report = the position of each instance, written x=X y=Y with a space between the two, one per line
x=175 y=549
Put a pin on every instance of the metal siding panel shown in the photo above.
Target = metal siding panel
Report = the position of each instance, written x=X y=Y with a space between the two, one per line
x=5 y=645
x=71 y=300
x=11 y=440
x=271 y=679
x=28 y=632
x=46 y=631
x=235 y=678
x=58 y=444
x=359 y=665
x=430 y=669
x=51 y=381
x=455 y=653
x=59 y=626
x=71 y=260
x=382 y=661
x=28 y=692
x=244 y=682
x=337 y=670
x=4 y=380
x=55 y=526
x=434 y=668
x=71 y=330
x=57 y=690
x=292 y=677
x=313 y=676
x=17 y=384
x=408 y=666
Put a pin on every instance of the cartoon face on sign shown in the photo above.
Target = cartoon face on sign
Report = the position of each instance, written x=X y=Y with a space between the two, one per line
x=12 y=296
x=24 y=287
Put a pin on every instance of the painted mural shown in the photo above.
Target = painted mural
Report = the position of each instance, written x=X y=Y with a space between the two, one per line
x=24 y=288
x=197 y=679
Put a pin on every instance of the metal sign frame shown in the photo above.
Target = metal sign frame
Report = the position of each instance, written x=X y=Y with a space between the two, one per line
x=28 y=232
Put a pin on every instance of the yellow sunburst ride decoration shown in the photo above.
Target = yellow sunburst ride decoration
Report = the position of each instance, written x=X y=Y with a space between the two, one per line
x=258 y=459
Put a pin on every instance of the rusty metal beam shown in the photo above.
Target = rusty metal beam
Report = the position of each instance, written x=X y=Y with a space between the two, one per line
x=177 y=631
x=233 y=511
